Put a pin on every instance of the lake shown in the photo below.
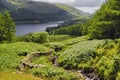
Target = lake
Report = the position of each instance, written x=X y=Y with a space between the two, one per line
x=27 y=28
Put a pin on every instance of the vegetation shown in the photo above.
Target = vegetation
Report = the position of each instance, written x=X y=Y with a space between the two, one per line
x=29 y=11
x=7 y=27
x=58 y=38
x=76 y=29
x=105 y=23
x=58 y=46
x=11 y=54
x=93 y=55
x=82 y=53
x=54 y=73
x=107 y=60
x=37 y=37
x=72 y=10
x=50 y=71
x=17 y=76
x=104 y=54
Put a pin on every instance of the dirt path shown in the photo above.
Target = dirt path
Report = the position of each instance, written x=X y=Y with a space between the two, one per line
x=27 y=64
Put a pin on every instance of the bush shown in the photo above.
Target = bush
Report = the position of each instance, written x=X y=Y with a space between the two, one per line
x=79 y=53
x=37 y=37
x=103 y=56
x=105 y=23
x=54 y=73
x=70 y=30
x=56 y=45
x=118 y=76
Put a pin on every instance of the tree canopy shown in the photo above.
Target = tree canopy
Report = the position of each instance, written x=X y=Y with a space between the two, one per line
x=106 y=21
x=7 y=27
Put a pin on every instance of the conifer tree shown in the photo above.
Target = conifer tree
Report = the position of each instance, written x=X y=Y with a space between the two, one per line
x=9 y=26
x=1 y=28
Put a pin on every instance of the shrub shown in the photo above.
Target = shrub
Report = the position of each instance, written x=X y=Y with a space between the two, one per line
x=118 y=76
x=56 y=45
x=37 y=37
x=79 y=53
x=54 y=73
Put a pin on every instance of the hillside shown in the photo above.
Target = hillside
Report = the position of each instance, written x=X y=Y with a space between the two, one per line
x=33 y=11
x=72 y=10
x=89 y=51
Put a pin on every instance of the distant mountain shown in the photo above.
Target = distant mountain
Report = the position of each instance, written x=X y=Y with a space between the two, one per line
x=73 y=11
x=33 y=11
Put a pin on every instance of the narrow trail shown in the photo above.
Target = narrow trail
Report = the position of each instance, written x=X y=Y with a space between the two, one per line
x=27 y=64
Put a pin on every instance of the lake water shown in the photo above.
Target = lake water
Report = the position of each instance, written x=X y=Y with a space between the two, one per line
x=27 y=28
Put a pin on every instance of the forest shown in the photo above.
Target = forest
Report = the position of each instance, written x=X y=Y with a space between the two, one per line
x=85 y=51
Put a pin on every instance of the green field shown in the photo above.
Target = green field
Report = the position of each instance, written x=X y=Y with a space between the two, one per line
x=74 y=53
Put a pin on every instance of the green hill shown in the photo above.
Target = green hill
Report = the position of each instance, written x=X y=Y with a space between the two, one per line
x=72 y=10
x=33 y=11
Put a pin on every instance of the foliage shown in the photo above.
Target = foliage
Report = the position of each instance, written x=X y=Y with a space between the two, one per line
x=7 y=27
x=78 y=53
x=72 y=10
x=107 y=61
x=57 y=38
x=104 y=54
x=75 y=40
x=44 y=60
x=76 y=29
x=105 y=23
x=71 y=30
x=57 y=46
x=11 y=54
x=29 y=11
x=118 y=76
x=37 y=37
x=54 y=73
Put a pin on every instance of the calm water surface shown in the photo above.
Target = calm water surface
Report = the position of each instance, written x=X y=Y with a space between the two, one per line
x=27 y=28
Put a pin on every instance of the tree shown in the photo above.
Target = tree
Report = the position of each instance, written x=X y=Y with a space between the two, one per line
x=1 y=28
x=106 y=21
x=9 y=26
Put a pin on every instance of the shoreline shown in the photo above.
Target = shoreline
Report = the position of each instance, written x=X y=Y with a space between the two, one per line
x=35 y=22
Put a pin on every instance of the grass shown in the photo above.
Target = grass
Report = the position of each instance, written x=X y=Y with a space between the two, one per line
x=107 y=61
x=62 y=43
x=71 y=10
x=75 y=40
x=118 y=76
x=57 y=38
x=73 y=56
x=54 y=73
x=11 y=54
x=101 y=55
x=17 y=76
x=73 y=53
x=45 y=60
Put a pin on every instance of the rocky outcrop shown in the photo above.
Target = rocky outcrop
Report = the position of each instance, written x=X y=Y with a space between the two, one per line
x=26 y=63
